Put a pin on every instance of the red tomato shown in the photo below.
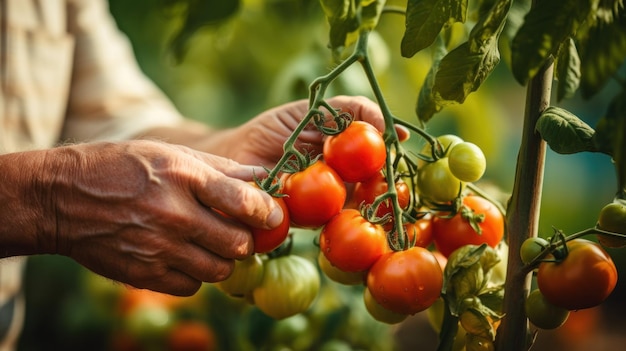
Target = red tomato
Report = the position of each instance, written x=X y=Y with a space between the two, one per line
x=351 y=243
x=191 y=335
x=314 y=195
x=266 y=240
x=583 y=279
x=407 y=281
x=451 y=233
x=421 y=231
x=357 y=153
x=365 y=192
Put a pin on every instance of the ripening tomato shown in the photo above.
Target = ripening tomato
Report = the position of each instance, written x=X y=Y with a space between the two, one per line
x=351 y=243
x=380 y=313
x=365 y=192
x=314 y=195
x=407 y=281
x=357 y=154
x=337 y=275
x=266 y=240
x=290 y=285
x=583 y=279
x=451 y=233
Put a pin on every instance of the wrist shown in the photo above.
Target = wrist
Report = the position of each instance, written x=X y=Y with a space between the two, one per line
x=28 y=224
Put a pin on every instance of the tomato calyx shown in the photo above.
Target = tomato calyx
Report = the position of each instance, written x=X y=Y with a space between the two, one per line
x=340 y=121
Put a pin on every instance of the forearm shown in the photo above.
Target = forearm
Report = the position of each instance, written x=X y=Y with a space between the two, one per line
x=23 y=204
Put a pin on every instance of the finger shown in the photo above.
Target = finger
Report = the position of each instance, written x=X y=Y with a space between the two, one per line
x=238 y=199
x=203 y=265
x=219 y=235
x=228 y=167
x=403 y=133
x=361 y=108
x=174 y=283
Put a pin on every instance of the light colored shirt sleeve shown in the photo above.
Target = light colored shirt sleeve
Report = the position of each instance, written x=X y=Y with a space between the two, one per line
x=110 y=98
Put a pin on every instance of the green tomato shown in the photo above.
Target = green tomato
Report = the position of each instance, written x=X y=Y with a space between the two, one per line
x=246 y=276
x=542 y=313
x=437 y=184
x=612 y=218
x=290 y=285
x=531 y=248
x=467 y=161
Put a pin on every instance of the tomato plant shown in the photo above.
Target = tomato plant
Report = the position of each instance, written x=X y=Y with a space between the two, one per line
x=467 y=162
x=314 y=195
x=365 y=192
x=582 y=279
x=266 y=240
x=420 y=232
x=451 y=233
x=357 y=154
x=407 y=281
x=289 y=286
x=612 y=218
x=351 y=243
x=446 y=142
x=542 y=313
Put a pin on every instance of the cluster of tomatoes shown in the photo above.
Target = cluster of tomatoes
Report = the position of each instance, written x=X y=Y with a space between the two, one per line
x=345 y=194
x=573 y=274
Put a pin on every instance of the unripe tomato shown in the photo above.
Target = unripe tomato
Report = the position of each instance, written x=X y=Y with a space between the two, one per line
x=314 y=195
x=467 y=162
x=531 y=248
x=612 y=218
x=380 y=313
x=436 y=183
x=407 y=281
x=357 y=154
x=290 y=285
x=246 y=276
x=542 y=313
x=583 y=279
x=351 y=243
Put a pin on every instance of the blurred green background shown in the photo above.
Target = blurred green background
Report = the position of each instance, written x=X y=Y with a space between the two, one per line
x=265 y=55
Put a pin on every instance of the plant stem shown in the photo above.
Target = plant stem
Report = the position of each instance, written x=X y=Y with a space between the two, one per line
x=523 y=214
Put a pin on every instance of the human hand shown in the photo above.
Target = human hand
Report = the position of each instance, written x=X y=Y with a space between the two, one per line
x=260 y=140
x=142 y=213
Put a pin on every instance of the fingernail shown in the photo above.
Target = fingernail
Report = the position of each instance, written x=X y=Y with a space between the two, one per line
x=275 y=217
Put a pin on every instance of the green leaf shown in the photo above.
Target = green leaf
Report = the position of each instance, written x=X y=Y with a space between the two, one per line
x=564 y=132
x=464 y=69
x=546 y=26
x=347 y=17
x=425 y=19
x=426 y=105
x=567 y=70
x=198 y=14
x=603 y=49
x=611 y=138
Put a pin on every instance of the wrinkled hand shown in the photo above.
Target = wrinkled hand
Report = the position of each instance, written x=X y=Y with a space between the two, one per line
x=260 y=140
x=140 y=213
